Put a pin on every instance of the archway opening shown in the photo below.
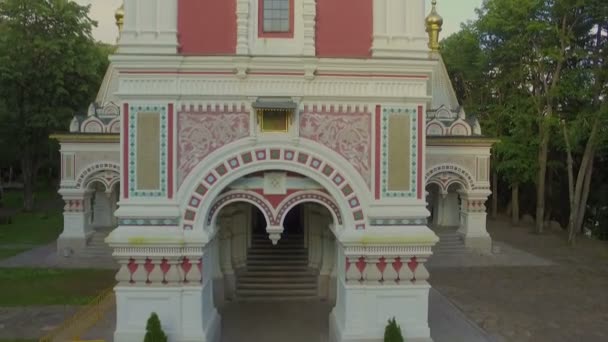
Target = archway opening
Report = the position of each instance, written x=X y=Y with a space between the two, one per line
x=288 y=283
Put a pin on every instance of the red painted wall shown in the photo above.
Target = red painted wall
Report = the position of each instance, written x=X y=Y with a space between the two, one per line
x=344 y=28
x=207 y=27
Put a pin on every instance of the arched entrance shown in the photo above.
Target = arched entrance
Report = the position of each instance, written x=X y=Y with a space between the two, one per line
x=294 y=279
x=455 y=201
x=378 y=265
x=90 y=204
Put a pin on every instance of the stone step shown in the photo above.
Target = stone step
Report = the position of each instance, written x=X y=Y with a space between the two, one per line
x=277 y=257
x=277 y=299
x=281 y=278
x=264 y=254
x=269 y=293
x=288 y=268
x=276 y=286
x=289 y=263
x=273 y=273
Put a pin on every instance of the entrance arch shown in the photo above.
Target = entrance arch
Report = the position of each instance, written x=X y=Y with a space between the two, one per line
x=200 y=190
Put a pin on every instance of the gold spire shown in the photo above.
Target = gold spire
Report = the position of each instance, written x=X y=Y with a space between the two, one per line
x=434 y=22
x=120 y=17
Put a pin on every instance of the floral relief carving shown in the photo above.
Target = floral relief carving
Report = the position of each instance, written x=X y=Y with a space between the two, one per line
x=202 y=132
x=349 y=134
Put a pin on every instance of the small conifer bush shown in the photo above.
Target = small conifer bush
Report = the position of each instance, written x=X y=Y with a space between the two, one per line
x=154 y=332
x=392 y=333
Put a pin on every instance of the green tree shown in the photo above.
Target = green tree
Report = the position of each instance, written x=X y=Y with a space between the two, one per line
x=49 y=68
x=154 y=332
x=392 y=333
x=531 y=41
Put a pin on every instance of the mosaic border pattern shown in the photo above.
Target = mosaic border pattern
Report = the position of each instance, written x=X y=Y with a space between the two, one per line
x=141 y=221
x=392 y=221
x=241 y=159
x=133 y=111
x=413 y=114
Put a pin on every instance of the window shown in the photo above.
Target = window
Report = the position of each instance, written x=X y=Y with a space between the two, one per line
x=276 y=18
x=274 y=120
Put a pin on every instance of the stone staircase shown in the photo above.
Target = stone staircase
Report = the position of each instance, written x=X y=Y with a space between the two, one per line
x=97 y=249
x=278 y=272
x=450 y=243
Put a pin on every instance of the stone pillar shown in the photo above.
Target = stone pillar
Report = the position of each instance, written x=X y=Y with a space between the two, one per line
x=226 y=262
x=77 y=227
x=150 y=27
x=309 y=17
x=327 y=264
x=399 y=28
x=473 y=221
x=242 y=27
x=381 y=280
x=102 y=209
x=315 y=244
x=239 y=238
x=175 y=283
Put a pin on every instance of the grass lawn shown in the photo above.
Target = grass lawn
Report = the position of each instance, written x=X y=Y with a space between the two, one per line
x=18 y=340
x=40 y=286
x=35 y=228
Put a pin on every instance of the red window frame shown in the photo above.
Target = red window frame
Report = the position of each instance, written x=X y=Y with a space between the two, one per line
x=263 y=34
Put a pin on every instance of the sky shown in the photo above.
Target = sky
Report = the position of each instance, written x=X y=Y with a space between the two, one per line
x=453 y=12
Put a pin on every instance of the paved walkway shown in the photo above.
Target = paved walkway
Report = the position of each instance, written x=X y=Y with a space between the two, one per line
x=32 y=322
x=46 y=256
x=504 y=255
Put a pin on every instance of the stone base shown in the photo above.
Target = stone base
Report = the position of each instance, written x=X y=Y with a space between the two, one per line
x=187 y=314
x=72 y=246
x=480 y=244
x=362 y=312
x=335 y=335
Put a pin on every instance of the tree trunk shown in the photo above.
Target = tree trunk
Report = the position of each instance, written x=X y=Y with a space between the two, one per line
x=494 y=195
x=570 y=169
x=578 y=225
x=515 y=204
x=542 y=173
x=29 y=176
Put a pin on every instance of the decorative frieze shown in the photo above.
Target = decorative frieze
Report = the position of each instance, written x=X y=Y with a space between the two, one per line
x=396 y=221
x=385 y=270
x=256 y=156
x=169 y=271
x=344 y=129
x=144 y=221
x=74 y=206
x=202 y=130
x=261 y=85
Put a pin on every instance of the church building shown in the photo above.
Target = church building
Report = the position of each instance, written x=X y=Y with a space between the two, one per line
x=274 y=150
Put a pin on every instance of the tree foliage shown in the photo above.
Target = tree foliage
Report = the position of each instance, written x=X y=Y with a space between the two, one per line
x=50 y=67
x=537 y=77
x=154 y=331
x=392 y=333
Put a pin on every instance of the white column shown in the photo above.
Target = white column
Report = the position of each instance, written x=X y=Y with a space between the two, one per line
x=226 y=262
x=394 y=285
x=242 y=26
x=77 y=227
x=310 y=15
x=399 y=28
x=327 y=263
x=150 y=27
x=473 y=221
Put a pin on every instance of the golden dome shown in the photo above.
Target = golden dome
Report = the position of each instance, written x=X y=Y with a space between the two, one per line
x=434 y=18
x=434 y=22
x=120 y=17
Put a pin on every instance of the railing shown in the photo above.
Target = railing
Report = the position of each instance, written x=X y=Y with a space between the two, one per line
x=83 y=320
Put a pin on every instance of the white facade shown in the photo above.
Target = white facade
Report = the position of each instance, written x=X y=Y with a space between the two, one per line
x=180 y=139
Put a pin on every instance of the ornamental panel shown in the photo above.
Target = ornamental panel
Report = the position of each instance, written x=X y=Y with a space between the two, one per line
x=399 y=152
x=344 y=130
x=204 y=130
x=148 y=138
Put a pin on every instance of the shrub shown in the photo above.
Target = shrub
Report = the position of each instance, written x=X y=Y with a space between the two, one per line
x=154 y=332
x=392 y=333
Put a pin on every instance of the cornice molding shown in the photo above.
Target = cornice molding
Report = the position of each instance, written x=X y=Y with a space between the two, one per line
x=86 y=137
x=461 y=141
